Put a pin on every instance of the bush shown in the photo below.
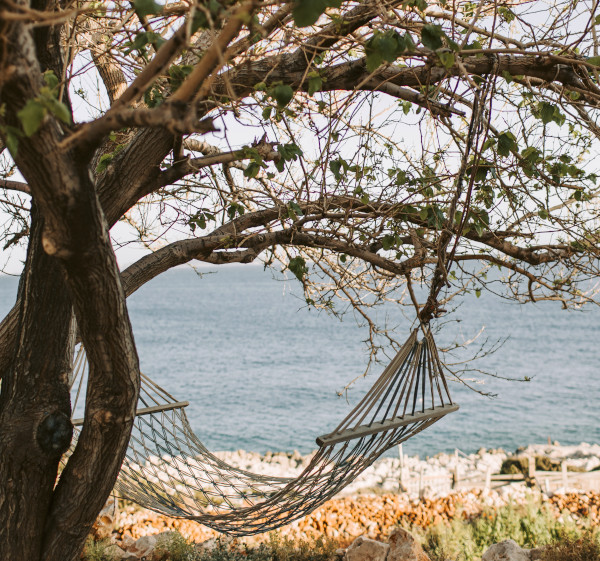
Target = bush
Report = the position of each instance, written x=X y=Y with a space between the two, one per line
x=176 y=548
x=584 y=548
x=97 y=550
x=531 y=525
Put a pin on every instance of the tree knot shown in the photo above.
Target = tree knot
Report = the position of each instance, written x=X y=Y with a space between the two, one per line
x=54 y=433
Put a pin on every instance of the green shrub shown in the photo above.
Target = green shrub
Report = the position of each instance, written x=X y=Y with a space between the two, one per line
x=530 y=525
x=175 y=548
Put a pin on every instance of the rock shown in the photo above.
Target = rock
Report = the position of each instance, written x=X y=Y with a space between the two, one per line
x=507 y=550
x=404 y=547
x=144 y=546
x=105 y=522
x=365 y=549
x=115 y=552
x=127 y=542
x=207 y=545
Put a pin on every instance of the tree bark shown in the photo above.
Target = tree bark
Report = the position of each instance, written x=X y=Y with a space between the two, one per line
x=34 y=403
x=71 y=265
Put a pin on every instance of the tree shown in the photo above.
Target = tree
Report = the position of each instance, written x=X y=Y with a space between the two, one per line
x=365 y=145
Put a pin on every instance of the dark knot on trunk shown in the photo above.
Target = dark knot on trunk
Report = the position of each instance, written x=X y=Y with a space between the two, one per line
x=54 y=433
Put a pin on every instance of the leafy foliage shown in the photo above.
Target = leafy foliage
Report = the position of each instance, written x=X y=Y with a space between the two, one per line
x=307 y=12
x=531 y=525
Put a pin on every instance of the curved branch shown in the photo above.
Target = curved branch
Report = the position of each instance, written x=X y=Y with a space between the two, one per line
x=15 y=186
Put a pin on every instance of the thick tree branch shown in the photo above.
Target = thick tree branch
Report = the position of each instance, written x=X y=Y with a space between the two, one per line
x=15 y=186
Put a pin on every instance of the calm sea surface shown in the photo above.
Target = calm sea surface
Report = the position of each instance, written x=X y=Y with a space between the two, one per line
x=261 y=371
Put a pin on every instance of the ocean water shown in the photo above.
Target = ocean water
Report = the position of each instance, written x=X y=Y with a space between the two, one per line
x=262 y=372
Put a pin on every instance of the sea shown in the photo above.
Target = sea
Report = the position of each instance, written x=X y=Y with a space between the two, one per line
x=264 y=372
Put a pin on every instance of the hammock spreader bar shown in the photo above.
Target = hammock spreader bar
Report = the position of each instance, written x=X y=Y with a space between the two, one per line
x=169 y=470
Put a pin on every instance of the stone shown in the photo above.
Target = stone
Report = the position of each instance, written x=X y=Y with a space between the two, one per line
x=365 y=549
x=404 y=547
x=207 y=546
x=508 y=550
x=105 y=523
x=144 y=546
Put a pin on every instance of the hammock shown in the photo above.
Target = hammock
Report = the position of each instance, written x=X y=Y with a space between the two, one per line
x=168 y=469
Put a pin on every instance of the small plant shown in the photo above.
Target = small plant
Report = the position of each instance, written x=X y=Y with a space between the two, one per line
x=276 y=549
x=175 y=548
x=98 y=551
x=584 y=548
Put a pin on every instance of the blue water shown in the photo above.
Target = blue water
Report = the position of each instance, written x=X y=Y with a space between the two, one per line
x=262 y=371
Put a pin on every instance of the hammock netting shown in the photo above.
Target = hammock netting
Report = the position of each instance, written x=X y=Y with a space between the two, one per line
x=168 y=469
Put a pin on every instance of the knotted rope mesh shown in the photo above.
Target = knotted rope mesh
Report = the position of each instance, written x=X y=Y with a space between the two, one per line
x=169 y=470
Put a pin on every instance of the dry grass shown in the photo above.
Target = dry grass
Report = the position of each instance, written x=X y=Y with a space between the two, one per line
x=584 y=548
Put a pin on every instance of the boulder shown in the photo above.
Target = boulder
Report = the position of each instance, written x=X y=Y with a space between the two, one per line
x=365 y=549
x=404 y=547
x=507 y=550
x=144 y=546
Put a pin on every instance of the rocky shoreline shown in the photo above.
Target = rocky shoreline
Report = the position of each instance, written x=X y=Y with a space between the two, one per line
x=375 y=504
x=437 y=474
x=343 y=519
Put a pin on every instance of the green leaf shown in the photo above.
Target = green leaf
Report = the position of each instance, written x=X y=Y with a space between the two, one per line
x=507 y=144
x=419 y=4
x=295 y=207
x=58 y=109
x=507 y=14
x=51 y=79
x=178 y=73
x=315 y=83
x=388 y=241
x=386 y=46
x=373 y=61
x=283 y=94
x=543 y=213
x=478 y=292
x=547 y=112
x=266 y=113
x=298 y=266
x=252 y=170
x=289 y=152
x=431 y=36
x=31 y=116
x=145 y=8
x=307 y=12
x=446 y=58
x=104 y=162
x=531 y=154
x=12 y=135
x=595 y=60
x=335 y=166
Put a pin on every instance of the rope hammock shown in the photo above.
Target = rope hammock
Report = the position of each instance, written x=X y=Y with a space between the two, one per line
x=168 y=469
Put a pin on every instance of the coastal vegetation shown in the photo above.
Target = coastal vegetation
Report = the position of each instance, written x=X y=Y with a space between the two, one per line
x=531 y=525
x=397 y=150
